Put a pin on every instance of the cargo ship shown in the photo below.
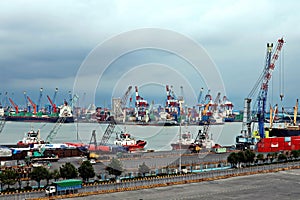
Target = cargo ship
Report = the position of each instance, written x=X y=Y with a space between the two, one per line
x=64 y=114
x=33 y=146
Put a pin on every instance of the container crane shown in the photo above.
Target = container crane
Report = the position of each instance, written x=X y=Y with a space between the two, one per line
x=141 y=106
x=14 y=105
x=33 y=105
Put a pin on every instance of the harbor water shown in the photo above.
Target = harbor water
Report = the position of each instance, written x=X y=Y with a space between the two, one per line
x=158 y=138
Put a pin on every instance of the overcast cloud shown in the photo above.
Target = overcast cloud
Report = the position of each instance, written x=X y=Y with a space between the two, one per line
x=44 y=43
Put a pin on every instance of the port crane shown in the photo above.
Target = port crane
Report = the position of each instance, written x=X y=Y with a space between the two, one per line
x=54 y=108
x=108 y=131
x=26 y=101
x=141 y=106
x=54 y=96
x=216 y=102
x=172 y=104
x=14 y=105
x=263 y=84
x=33 y=105
x=201 y=136
x=125 y=97
x=200 y=97
x=39 y=100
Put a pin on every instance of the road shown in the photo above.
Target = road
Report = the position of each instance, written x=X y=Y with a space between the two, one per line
x=281 y=185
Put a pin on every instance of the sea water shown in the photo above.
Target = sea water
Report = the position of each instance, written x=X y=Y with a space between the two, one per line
x=158 y=138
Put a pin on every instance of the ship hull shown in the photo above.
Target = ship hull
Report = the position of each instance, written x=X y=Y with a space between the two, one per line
x=283 y=132
x=176 y=146
x=37 y=119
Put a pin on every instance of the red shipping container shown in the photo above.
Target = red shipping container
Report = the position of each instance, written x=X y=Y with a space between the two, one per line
x=274 y=145
x=264 y=149
x=281 y=139
x=274 y=149
x=288 y=148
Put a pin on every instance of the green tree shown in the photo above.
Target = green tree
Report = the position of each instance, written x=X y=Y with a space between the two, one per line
x=241 y=157
x=232 y=159
x=86 y=170
x=260 y=157
x=114 y=167
x=68 y=171
x=295 y=154
x=249 y=156
x=282 y=157
x=9 y=177
x=38 y=174
x=49 y=177
x=55 y=174
x=143 y=169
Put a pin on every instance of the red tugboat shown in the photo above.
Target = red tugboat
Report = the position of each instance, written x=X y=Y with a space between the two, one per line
x=125 y=140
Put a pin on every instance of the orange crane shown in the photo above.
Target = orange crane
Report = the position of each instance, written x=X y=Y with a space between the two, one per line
x=33 y=105
x=14 y=105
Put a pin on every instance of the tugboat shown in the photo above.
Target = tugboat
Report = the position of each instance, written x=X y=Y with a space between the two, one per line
x=30 y=138
x=125 y=140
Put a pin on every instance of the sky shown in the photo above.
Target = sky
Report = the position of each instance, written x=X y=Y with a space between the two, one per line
x=96 y=49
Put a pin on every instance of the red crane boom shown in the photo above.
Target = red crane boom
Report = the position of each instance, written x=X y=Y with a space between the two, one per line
x=14 y=105
x=33 y=105
x=52 y=104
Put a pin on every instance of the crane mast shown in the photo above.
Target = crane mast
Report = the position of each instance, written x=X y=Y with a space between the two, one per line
x=267 y=74
x=39 y=101
x=54 y=96
x=26 y=101
x=125 y=97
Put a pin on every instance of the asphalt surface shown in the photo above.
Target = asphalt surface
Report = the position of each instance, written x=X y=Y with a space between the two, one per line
x=281 y=185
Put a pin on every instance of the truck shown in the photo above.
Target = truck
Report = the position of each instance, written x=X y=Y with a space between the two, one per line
x=68 y=186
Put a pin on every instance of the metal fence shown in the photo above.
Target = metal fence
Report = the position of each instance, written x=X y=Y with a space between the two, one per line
x=157 y=181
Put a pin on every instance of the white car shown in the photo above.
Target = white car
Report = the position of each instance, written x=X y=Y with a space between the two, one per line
x=92 y=161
